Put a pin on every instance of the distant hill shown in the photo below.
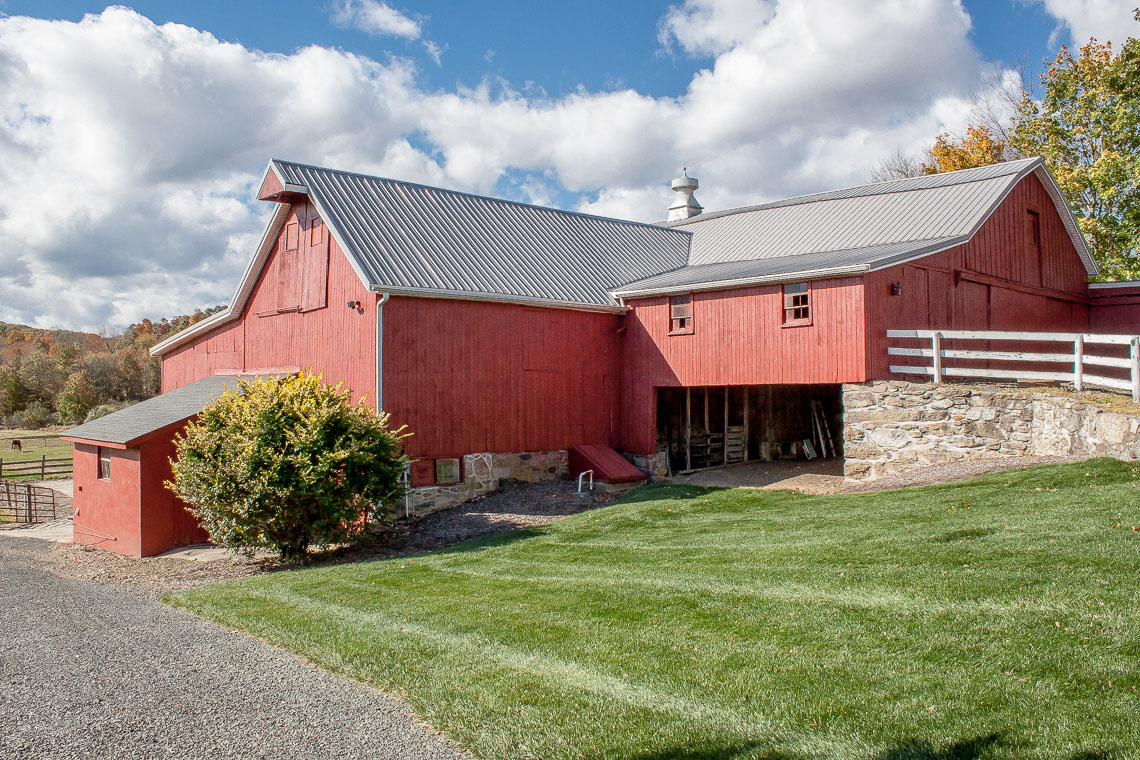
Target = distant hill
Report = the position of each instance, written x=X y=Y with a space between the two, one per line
x=53 y=376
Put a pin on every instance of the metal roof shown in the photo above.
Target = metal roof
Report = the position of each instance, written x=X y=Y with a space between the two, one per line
x=404 y=236
x=127 y=426
x=949 y=205
x=412 y=239
x=783 y=268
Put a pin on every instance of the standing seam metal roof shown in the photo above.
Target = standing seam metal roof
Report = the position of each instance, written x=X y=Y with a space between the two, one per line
x=404 y=235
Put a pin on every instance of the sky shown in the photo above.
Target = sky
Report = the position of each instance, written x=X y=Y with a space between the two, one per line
x=133 y=137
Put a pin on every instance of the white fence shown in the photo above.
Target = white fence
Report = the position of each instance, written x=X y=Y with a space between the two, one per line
x=1078 y=358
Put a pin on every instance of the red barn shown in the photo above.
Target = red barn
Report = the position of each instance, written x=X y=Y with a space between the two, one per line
x=504 y=334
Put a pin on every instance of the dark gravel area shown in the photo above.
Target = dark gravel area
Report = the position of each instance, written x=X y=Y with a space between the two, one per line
x=92 y=670
x=513 y=506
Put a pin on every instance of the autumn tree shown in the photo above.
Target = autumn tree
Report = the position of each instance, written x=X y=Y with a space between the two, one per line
x=979 y=147
x=77 y=398
x=1087 y=128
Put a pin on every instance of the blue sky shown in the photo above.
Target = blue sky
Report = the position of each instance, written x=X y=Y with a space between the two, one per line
x=559 y=46
x=165 y=113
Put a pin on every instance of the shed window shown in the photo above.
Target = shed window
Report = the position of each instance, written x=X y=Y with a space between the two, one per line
x=104 y=465
x=797 y=303
x=681 y=314
x=446 y=471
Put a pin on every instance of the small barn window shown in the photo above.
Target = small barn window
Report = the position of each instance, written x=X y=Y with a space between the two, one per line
x=681 y=315
x=104 y=465
x=797 y=303
x=446 y=471
x=1033 y=222
x=292 y=236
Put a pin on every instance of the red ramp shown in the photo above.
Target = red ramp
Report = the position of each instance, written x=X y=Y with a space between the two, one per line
x=608 y=465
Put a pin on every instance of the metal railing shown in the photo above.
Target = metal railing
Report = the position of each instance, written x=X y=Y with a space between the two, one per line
x=1078 y=358
x=25 y=503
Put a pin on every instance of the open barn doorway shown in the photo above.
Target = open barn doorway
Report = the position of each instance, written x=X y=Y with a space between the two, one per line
x=716 y=426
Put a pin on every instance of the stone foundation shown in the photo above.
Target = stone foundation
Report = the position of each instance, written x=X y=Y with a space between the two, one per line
x=653 y=465
x=482 y=474
x=895 y=426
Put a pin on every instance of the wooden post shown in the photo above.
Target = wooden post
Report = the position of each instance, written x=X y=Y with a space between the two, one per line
x=936 y=343
x=1079 y=363
x=747 y=393
x=43 y=467
x=1134 y=370
x=688 y=428
x=725 y=425
x=708 y=430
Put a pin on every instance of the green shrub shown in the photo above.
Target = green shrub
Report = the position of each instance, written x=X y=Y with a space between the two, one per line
x=34 y=416
x=287 y=464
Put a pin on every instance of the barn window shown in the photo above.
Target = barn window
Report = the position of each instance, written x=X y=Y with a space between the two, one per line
x=104 y=465
x=681 y=315
x=292 y=236
x=797 y=303
x=1034 y=228
x=446 y=471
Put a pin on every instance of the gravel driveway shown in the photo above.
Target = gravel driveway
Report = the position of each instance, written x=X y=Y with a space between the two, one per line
x=89 y=670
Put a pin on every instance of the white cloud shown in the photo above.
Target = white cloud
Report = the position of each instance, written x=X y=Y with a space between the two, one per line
x=137 y=148
x=435 y=51
x=1104 y=19
x=375 y=18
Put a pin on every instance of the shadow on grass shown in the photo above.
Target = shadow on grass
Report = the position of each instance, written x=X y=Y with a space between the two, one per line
x=966 y=749
x=659 y=491
x=735 y=751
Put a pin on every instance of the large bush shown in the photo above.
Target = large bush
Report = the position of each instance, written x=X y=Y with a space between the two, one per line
x=287 y=464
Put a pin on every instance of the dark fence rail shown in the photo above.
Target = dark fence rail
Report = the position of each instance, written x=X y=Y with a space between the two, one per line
x=42 y=468
x=25 y=503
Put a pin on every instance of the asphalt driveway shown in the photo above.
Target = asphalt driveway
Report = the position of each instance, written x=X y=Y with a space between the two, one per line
x=89 y=670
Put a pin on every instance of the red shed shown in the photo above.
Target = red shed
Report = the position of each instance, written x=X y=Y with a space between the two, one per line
x=121 y=462
x=504 y=334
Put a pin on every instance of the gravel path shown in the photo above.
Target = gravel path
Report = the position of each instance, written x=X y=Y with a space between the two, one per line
x=90 y=670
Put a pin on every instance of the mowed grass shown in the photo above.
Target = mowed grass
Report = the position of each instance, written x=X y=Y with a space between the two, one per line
x=993 y=618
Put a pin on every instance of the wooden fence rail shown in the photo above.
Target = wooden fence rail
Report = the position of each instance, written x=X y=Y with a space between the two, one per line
x=25 y=503
x=1077 y=357
x=42 y=468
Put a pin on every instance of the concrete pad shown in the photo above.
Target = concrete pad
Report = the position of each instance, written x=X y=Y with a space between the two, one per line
x=59 y=531
x=205 y=553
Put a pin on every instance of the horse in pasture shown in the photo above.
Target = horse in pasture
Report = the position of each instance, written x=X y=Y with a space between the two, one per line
x=16 y=445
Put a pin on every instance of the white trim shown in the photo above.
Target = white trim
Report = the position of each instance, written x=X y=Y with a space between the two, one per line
x=803 y=274
x=1112 y=285
x=237 y=303
x=380 y=301
x=464 y=295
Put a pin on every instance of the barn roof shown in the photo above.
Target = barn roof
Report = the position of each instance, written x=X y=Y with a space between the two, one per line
x=849 y=231
x=412 y=239
x=407 y=237
x=128 y=426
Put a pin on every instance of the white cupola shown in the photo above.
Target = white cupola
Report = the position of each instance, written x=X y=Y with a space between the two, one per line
x=684 y=205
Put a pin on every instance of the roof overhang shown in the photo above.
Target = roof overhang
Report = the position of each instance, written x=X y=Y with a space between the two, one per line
x=741 y=282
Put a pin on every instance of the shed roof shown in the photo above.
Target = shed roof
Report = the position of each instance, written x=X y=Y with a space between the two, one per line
x=128 y=426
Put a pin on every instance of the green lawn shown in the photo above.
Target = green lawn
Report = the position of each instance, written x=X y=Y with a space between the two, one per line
x=995 y=618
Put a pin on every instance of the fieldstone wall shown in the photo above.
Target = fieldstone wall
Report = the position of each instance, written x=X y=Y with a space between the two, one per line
x=653 y=465
x=482 y=474
x=893 y=426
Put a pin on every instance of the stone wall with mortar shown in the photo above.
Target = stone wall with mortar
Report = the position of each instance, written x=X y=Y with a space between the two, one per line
x=653 y=465
x=894 y=426
x=482 y=474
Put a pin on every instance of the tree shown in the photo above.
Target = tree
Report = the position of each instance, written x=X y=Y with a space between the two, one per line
x=1087 y=128
x=979 y=147
x=77 y=398
x=287 y=463
x=40 y=376
x=14 y=394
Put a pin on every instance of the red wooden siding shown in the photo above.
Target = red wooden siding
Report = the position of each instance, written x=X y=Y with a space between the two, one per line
x=999 y=280
x=1115 y=311
x=469 y=376
x=296 y=317
x=738 y=338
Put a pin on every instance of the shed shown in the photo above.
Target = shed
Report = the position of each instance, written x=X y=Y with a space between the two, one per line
x=121 y=462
